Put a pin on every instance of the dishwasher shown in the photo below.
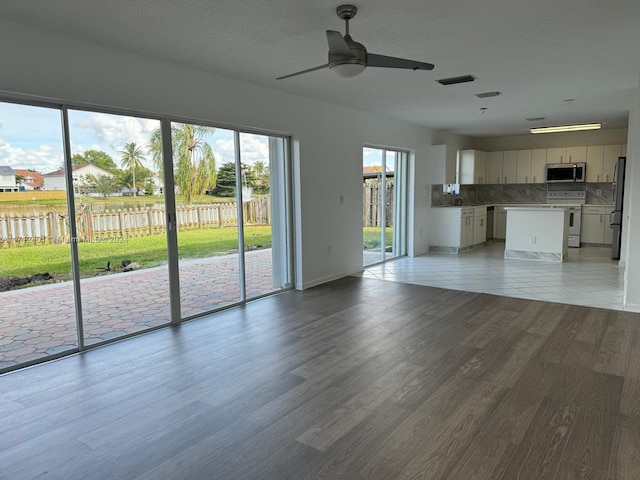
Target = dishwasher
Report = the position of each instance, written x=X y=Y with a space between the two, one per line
x=490 y=210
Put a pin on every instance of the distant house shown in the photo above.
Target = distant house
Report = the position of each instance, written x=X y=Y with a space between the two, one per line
x=375 y=171
x=8 y=179
x=81 y=174
x=31 y=180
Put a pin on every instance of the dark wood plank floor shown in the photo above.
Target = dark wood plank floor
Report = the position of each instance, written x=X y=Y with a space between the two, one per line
x=355 y=379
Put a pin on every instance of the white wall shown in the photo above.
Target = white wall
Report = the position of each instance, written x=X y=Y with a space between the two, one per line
x=631 y=231
x=327 y=139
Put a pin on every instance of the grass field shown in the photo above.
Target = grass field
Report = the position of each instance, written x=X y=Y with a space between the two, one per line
x=125 y=202
x=371 y=237
x=146 y=251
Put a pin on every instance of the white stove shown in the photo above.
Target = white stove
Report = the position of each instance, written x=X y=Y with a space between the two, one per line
x=573 y=200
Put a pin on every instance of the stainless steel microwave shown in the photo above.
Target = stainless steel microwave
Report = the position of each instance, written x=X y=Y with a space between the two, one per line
x=566 y=172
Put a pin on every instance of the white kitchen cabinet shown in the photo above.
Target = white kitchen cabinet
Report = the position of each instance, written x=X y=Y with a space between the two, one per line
x=473 y=167
x=451 y=228
x=444 y=159
x=595 y=157
x=556 y=155
x=596 y=224
x=494 y=167
x=576 y=154
x=538 y=165
x=466 y=227
x=610 y=157
x=567 y=154
x=523 y=166
x=480 y=225
x=509 y=166
x=500 y=223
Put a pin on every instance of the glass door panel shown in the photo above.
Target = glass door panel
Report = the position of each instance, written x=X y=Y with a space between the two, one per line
x=207 y=220
x=373 y=213
x=120 y=219
x=37 y=308
x=388 y=200
x=264 y=212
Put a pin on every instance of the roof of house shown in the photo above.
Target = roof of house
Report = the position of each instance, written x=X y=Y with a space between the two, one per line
x=74 y=168
x=38 y=180
x=6 y=170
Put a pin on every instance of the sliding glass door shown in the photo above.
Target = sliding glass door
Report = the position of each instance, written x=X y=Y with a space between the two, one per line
x=111 y=225
x=384 y=201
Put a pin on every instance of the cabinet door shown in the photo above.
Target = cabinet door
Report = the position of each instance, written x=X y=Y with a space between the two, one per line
x=466 y=231
x=523 y=166
x=538 y=164
x=500 y=225
x=611 y=154
x=591 y=229
x=495 y=167
x=576 y=154
x=556 y=155
x=480 y=168
x=608 y=231
x=480 y=230
x=595 y=155
x=509 y=166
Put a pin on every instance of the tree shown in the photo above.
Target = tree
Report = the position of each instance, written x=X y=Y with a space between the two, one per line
x=97 y=158
x=226 y=181
x=193 y=158
x=125 y=178
x=259 y=178
x=104 y=184
x=131 y=159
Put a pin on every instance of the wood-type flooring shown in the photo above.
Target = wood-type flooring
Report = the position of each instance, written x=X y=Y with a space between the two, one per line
x=356 y=379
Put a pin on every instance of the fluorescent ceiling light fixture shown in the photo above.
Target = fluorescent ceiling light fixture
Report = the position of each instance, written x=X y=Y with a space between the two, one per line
x=567 y=128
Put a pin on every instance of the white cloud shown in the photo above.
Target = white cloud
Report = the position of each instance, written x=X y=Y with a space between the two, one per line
x=254 y=148
x=43 y=158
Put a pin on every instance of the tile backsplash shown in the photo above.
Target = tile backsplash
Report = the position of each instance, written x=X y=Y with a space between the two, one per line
x=597 y=193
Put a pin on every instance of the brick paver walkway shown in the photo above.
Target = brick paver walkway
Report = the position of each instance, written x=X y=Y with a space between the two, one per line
x=40 y=321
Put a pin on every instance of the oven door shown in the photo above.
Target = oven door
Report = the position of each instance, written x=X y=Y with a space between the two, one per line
x=575 y=219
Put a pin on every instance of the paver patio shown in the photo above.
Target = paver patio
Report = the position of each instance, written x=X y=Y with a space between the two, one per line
x=40 y=321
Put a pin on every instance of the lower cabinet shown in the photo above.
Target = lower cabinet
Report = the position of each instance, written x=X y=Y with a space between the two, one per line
x=456 y=228
x=596 y=224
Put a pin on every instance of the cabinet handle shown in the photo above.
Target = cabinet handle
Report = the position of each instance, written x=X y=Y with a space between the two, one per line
x=534 y=179
x=607 y=177
x=526 y=179
x=497 y=179
x=505 y=179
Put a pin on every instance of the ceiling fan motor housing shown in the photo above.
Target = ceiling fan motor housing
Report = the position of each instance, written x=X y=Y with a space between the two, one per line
x=349 y=66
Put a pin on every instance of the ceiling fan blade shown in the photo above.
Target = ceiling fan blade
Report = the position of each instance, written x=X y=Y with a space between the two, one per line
x=337 y=44
x=374 y=60
x=304 y=71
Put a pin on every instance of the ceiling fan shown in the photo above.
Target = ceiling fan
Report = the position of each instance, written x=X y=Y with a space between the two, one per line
x=348 y=58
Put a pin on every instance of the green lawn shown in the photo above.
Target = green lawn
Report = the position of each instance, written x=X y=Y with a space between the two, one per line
x=126 y=202
x=147 y=251
x=371 y=237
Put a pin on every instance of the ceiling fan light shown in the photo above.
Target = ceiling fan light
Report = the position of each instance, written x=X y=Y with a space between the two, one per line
x=347 y=70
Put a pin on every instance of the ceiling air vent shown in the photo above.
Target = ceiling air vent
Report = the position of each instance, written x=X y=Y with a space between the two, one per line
x=454 y=80
x=535 y=119
x=487 y=94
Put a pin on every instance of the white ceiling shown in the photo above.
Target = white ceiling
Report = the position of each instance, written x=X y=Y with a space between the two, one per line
x=537 y=53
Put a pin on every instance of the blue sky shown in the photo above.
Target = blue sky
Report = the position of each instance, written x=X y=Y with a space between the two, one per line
x=31 y=137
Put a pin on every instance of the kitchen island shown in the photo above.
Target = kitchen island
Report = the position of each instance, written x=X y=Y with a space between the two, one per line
x=537 y=233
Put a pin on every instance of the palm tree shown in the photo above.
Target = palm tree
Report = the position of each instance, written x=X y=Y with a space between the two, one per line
x=132 y=158
x=193 y=158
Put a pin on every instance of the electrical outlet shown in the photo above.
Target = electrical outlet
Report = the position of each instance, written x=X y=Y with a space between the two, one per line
x=598 y=192
x=533 y=239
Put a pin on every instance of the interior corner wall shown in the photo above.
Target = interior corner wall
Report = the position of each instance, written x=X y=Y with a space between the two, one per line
x=327 y=139
x=631 y=212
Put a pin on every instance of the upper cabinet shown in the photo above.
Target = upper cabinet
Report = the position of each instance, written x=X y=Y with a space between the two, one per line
x=595 y=156
x=523 y=166
x=494 y=167
x=538 y=165
x=567 y=154
x=444 y=159
x=509 y=166
x=473 y=167
x=610 y=157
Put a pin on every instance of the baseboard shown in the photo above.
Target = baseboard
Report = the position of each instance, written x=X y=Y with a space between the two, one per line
x=632 y=307
x=329 y=278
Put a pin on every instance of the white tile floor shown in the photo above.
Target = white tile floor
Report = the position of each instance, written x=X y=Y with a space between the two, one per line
x=589 y=277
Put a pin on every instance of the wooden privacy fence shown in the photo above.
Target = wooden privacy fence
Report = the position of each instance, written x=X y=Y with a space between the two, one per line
x=372 y=213
x=53 y=227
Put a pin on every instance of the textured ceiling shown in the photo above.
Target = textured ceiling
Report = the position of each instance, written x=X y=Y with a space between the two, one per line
x=536 y=53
